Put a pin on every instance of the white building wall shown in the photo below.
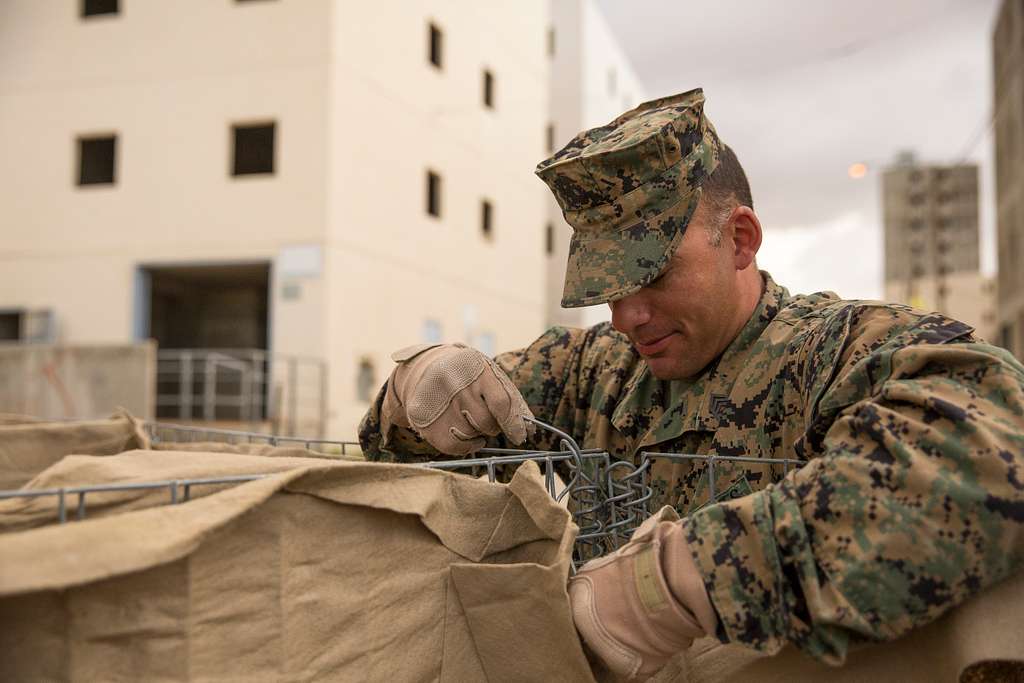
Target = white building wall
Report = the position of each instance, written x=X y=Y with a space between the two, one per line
x=360 y=116
x=169 y=80
x=592 y=83
x=396 y=265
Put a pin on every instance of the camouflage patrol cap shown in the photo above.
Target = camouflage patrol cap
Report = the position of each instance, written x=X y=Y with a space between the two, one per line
x=629 y=189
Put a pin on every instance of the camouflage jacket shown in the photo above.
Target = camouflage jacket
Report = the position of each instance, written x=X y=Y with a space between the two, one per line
x=912 y=497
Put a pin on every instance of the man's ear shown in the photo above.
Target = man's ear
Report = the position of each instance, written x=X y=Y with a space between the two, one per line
x=746 y=236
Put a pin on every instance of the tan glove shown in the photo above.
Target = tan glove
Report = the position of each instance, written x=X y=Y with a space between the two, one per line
x=645 y=602
x=453 y=396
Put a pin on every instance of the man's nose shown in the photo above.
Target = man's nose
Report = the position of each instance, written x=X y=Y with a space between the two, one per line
x=629 y=313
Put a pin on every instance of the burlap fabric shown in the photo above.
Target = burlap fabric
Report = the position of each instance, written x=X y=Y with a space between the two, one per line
x=982 y=640
x=28 y=448
x=344 y=571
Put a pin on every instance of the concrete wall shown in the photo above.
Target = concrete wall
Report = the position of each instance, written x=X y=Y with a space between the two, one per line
x=1008 y=95
x=357 y=265
x=592 y=82
x=393 y=266
x=80 y=382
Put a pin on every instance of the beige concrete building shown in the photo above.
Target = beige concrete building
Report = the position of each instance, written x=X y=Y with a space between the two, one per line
x=931 y=241
x=315 y=182
x=1008 y=73
x=592 y=82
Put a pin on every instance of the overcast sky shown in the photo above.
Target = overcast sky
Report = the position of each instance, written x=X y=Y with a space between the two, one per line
x=801 y=89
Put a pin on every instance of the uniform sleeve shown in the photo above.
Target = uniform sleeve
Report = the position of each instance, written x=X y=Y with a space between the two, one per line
x=547 y=374
x=915 y=503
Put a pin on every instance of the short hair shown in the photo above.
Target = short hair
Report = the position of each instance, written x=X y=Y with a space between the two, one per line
x=725 y=189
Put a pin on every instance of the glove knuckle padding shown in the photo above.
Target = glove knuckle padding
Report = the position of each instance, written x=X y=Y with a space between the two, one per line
x=441 y=382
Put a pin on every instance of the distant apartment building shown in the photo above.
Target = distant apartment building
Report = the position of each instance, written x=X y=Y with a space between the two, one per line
x=289 y=189
x=1008 y=88
x=931 y=241
x=592 y=82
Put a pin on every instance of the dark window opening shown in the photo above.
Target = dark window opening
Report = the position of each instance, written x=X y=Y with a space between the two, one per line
x=551 y=42
x=549 y=240
x=96 y=160
x=10 y=326
x=550 y=135
x=92 y=8
x=433 y=194
x=435 y=42
x=488 y=89
x=366 y=381
x=487 y=219
x=254 y=149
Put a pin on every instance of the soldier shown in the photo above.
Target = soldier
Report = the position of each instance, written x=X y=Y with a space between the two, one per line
x=912 y=496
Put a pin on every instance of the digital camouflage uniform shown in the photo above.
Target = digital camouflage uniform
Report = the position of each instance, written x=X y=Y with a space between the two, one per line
x=912 y=498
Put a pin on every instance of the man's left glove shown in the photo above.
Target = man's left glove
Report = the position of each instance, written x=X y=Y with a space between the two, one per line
x=645 y=602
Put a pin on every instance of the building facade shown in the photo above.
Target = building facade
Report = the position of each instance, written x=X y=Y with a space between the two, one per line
x=318 y=181
x=1008 y=89
x=932 y=255
x=592 y=82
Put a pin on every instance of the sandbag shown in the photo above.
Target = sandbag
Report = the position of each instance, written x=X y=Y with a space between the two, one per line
x=326 y=571
x=26 y=449
x=980 y=640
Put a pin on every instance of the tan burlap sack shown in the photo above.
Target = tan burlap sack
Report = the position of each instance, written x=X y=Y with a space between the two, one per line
x=958 y=647
x=27 y=449
x=350 y=572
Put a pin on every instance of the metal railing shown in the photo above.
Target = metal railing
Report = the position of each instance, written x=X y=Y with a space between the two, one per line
x=247 y=386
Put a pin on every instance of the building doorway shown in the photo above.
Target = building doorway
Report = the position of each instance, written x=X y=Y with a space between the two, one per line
x=210 y=322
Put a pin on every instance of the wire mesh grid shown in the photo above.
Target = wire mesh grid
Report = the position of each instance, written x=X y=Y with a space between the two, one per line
x=166 y=431
x=607 y=498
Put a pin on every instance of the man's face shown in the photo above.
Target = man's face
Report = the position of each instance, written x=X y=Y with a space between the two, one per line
x=684 y=319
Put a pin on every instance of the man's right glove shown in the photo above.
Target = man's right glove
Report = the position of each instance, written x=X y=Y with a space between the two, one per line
x=453 y=396
x=645 y=602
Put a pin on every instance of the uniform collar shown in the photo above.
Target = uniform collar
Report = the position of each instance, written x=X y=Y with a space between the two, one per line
x=700 y=403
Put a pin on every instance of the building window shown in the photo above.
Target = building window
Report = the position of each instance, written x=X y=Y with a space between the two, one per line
x=366 y=381
x=97 y=160
x=431 y=333
x=549 y=134
x=254 y=149
x=549 y=240
x=93 y=8
x=488 y=89
x=487 y=219
x=435 y=44
x=433 y=194
x=551 y=41
x=10 y=327
x=611 y=81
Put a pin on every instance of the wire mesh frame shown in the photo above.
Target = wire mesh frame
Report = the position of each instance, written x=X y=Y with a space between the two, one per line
x=180 y=491
x=191 y=434
x=606 y=498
